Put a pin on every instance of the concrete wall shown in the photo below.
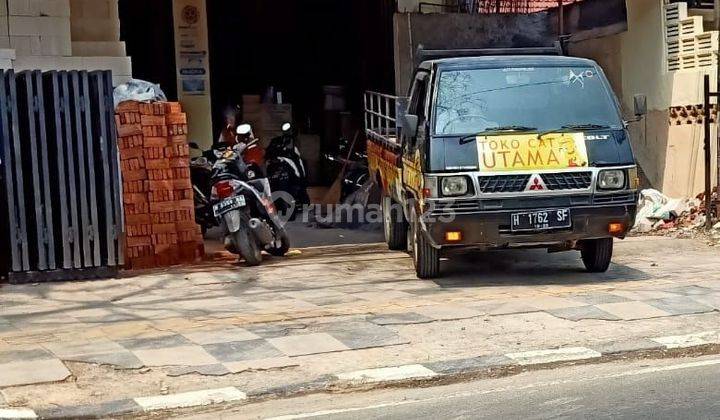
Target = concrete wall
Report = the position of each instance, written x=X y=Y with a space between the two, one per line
x=671 y=156
x=452 y=30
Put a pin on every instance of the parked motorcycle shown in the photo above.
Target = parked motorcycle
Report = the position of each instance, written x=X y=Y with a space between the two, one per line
x=286 y=170
x=355 y=169
x=243 y=207
x=201 y=177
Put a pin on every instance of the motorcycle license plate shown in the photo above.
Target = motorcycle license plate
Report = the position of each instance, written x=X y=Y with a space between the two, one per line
x=540 y=220
x=228 y=204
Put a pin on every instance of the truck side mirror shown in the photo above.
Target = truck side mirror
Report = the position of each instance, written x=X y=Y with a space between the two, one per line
x=410 y=125
x=640 y=102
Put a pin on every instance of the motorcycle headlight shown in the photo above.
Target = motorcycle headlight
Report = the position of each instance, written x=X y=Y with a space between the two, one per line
x=612 y=179
x=453 y=186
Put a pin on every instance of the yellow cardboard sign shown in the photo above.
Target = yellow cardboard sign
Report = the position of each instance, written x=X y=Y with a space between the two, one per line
x=521 y=152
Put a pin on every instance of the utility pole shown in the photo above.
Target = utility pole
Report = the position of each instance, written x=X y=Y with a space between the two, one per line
x=561 y=18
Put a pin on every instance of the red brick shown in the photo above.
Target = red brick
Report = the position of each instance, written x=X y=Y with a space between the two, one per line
x=128 y=106
x=154 y=152
x=185 y=225
x=172 y=107
x=182 y=184
x=155 y=142
x=127 y=130
x=178 y=139
x=157 y=163
x=130 y=153
x=152 y=120
x=135 y=175
x=137 y=219
x=179 y=118
x=139 y=241
x=164 y=228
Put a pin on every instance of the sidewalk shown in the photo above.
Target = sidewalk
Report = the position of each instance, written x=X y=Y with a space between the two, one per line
x=324 y=315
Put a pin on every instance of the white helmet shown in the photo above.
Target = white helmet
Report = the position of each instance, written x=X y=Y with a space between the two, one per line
x=244 y=129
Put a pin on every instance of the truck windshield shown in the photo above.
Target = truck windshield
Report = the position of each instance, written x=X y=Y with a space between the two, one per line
x=541 y=98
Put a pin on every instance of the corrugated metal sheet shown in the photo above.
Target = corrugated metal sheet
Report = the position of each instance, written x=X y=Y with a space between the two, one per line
x=518 y=6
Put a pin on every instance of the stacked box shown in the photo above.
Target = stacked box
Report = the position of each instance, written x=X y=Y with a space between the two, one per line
x=157 y=193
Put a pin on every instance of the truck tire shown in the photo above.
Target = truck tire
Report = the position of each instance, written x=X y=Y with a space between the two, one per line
x=395 y=231
x=247 y=246
x=596 y=254
x=426 y=258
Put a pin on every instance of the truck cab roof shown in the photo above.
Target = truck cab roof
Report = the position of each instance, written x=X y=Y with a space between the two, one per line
x=495 y=61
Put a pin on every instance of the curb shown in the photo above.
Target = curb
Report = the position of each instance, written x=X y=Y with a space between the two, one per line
x=431 y=373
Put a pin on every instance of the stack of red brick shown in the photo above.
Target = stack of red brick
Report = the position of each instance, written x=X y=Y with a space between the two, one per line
x=157 y=191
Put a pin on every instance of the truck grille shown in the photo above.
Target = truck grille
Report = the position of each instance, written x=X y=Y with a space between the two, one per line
x=503 y=183
x=567 y=180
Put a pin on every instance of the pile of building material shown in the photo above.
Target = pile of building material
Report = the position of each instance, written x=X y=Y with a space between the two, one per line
x=157 y=191
x=658 y=213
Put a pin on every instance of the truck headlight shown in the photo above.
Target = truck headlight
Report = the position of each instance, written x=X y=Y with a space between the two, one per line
x=611 y=179
x=453 y=186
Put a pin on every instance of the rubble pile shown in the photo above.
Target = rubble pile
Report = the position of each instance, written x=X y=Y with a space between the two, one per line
x=686 y=217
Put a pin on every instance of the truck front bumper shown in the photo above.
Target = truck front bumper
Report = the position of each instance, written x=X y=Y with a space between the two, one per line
x=489 y=228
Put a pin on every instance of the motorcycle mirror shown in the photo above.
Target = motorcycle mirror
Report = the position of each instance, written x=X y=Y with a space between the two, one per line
x=286 y=127
x=244 y=129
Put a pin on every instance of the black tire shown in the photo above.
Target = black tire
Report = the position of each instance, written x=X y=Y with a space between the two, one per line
x=395 y=232
x=597 y=254
x=283 y=248
x=426 y=258
x=247 y=246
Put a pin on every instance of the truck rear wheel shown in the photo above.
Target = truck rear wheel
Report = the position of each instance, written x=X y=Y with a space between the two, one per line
x=394 y=224
x=426 y=258
x=596 y=254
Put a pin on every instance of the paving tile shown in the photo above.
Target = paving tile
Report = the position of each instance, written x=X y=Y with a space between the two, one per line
x=402 y=318
x=18 y=413
x=242 y=350
x=32 y=372
x=90 y=411
x=361 y=334
x=680 y=305
x=473 y=364
x=448 y=312
x=276 y=330
x=712 y=299
x=632 y=310
x=536 y=357
x=626 y=346
x=635 y=295
x=159 y=342
x=124 y=359
x=283 y=305
x=260 y=364
x=24 y=355
x=333 y=300
x=226 y=335
x=383 y=296
x=691 y=290
x=582 y=312
x=504 y=307
x=299 y=345
x=545 y=303
x=388 y=374
x=175 y=356
x=598 y=298
x=64 y=349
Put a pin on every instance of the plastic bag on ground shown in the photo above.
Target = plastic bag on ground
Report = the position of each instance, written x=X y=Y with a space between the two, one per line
x=138 y=90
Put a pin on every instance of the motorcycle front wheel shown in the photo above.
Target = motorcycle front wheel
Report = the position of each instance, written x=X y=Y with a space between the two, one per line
x=247 y=246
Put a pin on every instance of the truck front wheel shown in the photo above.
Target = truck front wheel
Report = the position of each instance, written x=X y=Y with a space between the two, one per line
x=394 y=224
x=426 y=258
x=596 y=254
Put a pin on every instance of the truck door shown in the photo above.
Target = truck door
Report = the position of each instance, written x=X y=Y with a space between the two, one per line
x=412 y=168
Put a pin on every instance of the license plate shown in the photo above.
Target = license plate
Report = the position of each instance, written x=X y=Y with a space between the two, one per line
x=229 y=204
x=540 y=220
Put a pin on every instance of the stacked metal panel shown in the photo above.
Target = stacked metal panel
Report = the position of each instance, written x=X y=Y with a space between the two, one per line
x=60 y=179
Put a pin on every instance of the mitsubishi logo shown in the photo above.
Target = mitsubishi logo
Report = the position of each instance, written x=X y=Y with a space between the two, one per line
x=536 y=184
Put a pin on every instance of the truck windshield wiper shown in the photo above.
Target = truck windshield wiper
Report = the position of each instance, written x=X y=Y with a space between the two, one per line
x=571 y=127
x=492 y=130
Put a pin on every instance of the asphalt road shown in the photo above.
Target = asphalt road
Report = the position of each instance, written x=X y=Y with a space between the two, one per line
x=660 y=389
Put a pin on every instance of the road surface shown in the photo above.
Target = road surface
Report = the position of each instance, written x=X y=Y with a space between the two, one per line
x=687 y=388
